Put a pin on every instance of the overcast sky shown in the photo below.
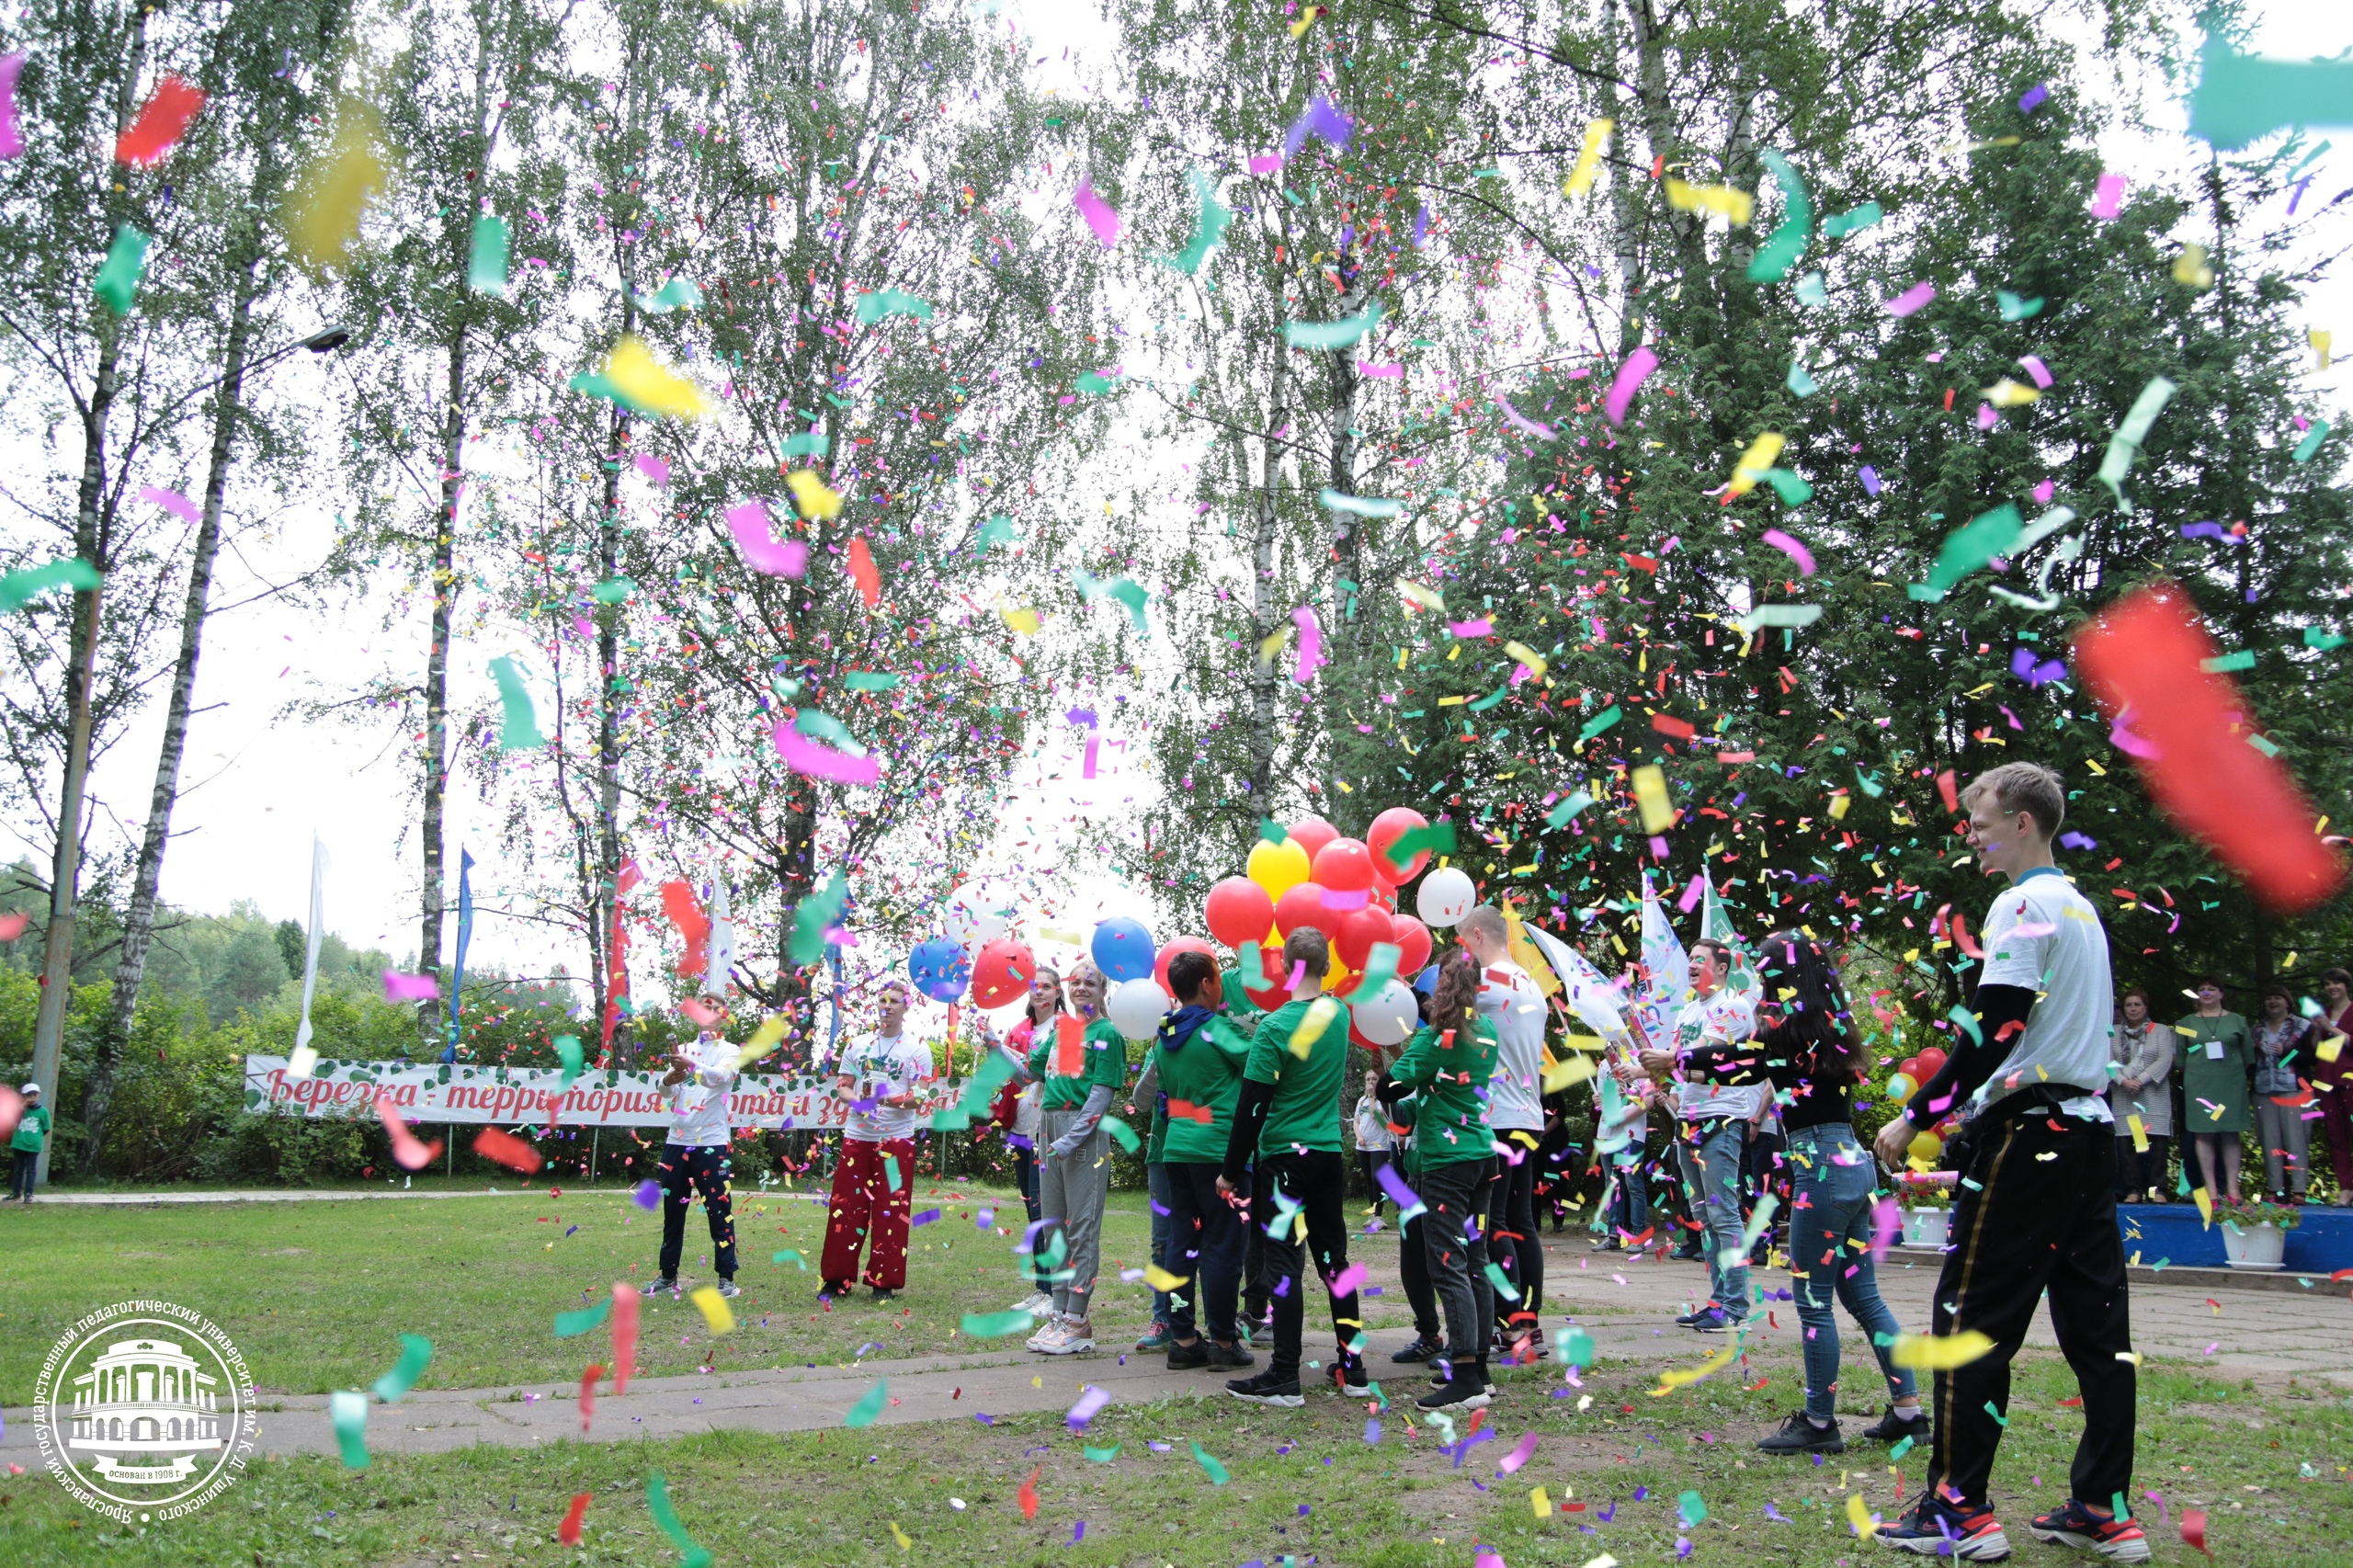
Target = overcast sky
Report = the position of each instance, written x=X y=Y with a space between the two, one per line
x=259 y=787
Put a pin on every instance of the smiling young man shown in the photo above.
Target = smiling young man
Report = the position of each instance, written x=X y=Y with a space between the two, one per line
x=1712 y=1127
x=2035 y=1209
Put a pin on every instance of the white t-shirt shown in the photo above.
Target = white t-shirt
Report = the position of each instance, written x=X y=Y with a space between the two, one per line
x=1509 y=1000
x=2044 y=936
x=699 y=1105
x=886 y=1066
x=1372 y=1125
x=1723 y=1016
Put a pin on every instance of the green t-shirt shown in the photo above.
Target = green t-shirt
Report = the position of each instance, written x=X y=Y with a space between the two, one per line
x=1449 y=1081
x=1238 y=1005
x=1206 y=1071
x=1104 y=1062
x=1306 y=1113
x=32 y=1130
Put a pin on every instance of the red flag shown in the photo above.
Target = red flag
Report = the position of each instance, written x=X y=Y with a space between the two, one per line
x=862 y=573
x=694 y=925
x=160 y=123
x=2148 y=653
x=507 y=1150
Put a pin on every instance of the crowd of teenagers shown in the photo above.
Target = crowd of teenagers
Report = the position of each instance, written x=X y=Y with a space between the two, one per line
x=2062 y=1099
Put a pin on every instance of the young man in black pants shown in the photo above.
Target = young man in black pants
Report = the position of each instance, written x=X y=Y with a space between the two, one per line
x=1197 y=1061
x=2035 y=1209
x=1289 y=1113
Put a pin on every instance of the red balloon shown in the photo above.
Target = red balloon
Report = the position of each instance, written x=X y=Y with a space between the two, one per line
x=1932 y=1062
x=1384 y=891
x=1270 y=963
x=1311 y=834
x=1239 y=910
x=1412 y=939
x=1359 y=930
x=1344 y=866
x=1002 y=973
x=1910 y=1068
x=1304 y=905
x=1181 y=945
x=1387 y=829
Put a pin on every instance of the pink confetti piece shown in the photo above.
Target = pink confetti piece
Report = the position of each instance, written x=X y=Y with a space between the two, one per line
x=1887 y=1220
x=1628 y=381
x=2107 y=198
x=11 y=145
x=2036 y=368
x=2045 y=491
x=1266 y=165
x=762 y=551
x=653 y=468
x=398 y=987
x=1311 y=644
x=1482 y=628
x=1379 y=373
x=172 y=501
x=1522 y=1451
x=1912 y=299
x=1692 y=894
x=1097 y=213
x=812 y=759
x=1348 y=1279
x=1792 y=549
x=1521 y=422
x=1337 y=898
x=1987 y=418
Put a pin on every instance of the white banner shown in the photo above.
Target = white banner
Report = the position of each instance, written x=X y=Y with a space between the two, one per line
x=534 y=1097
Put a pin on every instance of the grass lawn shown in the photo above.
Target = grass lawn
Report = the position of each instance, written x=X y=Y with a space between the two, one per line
x=1619 y=1476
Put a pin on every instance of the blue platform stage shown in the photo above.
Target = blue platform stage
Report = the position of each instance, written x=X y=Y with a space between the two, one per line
x=2173 y=1234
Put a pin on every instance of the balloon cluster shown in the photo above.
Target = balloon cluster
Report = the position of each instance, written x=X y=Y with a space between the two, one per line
x=1911 y=1073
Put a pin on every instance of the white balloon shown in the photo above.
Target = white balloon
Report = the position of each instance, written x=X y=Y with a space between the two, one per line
x=1388 y=1015
x=1447 y=895
x=973 y=917
x=1136 y=1007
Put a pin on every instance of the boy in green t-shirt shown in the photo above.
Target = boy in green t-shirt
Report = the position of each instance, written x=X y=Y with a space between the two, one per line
x=1074 y=1156
x=1289 y=1114
x=1198 y=1060
x=25 y=1146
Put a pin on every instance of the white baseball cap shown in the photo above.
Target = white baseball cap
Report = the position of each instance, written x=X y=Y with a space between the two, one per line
x=32 y=1088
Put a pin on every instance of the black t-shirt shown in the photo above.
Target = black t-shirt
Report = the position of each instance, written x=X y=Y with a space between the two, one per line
x=1784 y=1058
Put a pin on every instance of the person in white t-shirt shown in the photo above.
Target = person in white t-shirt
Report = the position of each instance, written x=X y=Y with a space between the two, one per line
x=2035 y=1208
x=695 y=1158
x=1374 y=1141
x=1508 y=999
x=874 y=1181
x=1712 y=1127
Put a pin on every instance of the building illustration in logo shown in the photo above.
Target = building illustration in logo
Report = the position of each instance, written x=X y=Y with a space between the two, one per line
x=146 y=1413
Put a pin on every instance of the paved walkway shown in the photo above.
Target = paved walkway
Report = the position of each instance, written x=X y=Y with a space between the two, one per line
x=1627 y=1306
x=301 y=1195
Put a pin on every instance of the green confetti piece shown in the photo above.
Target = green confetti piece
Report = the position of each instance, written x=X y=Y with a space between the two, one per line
x=816 y=915
x=799 y=1262
x=486 y=267
x=1216 y=1471
x=1272 y=830
x=2015 y=308
x=1502 y=1282
x=574 y=1060
x=1782 y=249
x=2240 y=96
x=1575 y=1346
x=1379 y=969
x=1361 y=506
x=872 y=681
x=118 y=278
x=1254 y=972
x=1341 y=333
x=808 y=444
x=658 y=1502
x=18 y=589
x=995 y=1325
x=2242 y=660
x=874 y=307
x=1852 y=221
x=2125 y=444
x=1094 y=384
x=1895 y=1455
x=824 y=727
x=1811 y=290
x=1560 y=815
x=571 y=1325
x=520 y=731
x=1970 y=547
x=1209 y=226
x=1133 y=596
x=1690 y=1509
x=2116 y=1507
x=613 y=590
x=1121 y=1133
x=1438 y=838
x=1802 y=384
x=2310 y=445
x=998 y=530
x=678 y=294
x=891 y=1171
x=417 y=1351
x=350 y=1413
x=1598 y=722
x=1995 y=1412
x=1100 y=1456
x=1793 y=490
x=2315 y=638
x=870 y=1405
x=1491 y=700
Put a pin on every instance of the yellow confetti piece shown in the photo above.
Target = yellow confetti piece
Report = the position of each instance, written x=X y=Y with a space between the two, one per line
x=1306 y=20
x=1574 y=1071
x=1528 y=656
x=901 y=1536
x=1428 y=598
x=2189 y=267
x=2140 y=1133
x=1541 y=1503
x=1860 y=1517
x=2008 y=393
x=1024 y=621
x=1588 y=164
x=1754 y=462
x=322 y=211
x=1160 y=1278
x=2205 y=1203
x=1930 y=1353
x=811 y=496
x=1734 y=204
x=1650 y=793
x=2320 y=341
x=1677 y=1377
x=764 y=1039
x=1840 y=805
x=1320 y=1013
x=650 y=387
x=715 y=1309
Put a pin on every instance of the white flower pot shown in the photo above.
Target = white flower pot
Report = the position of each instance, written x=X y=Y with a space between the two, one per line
x=1926 y=1227
x=2255 y=1247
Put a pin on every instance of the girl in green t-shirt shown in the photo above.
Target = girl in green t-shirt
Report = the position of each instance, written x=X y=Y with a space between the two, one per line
x=1083 y=1075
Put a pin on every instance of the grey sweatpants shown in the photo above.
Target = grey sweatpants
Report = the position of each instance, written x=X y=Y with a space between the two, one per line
x=1072 y=1191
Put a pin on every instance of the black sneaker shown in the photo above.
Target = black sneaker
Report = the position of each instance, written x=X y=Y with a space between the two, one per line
x=1933 y=1527
x=1184 y=1357
x=1894 y=1427
x=2071 y=1524
x=1686 y=1255
x=1269 y=1388
x=1223 y=1357
x=1421 y=1349
x=1798 y=1434
x=1460 y=1393
x=883 y=1293
x=1691 y=1319
x=832 y=1290
x=1715 y=1320
x=1354 y=1381
x=661 y=1288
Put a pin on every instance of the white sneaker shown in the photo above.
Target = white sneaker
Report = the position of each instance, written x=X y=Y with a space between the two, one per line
x=1047 y=1330
x=1037 y=1304
x=1075 y=1335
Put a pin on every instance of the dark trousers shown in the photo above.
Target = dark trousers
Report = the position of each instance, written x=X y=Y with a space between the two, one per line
x=1315 y=1180
x=1257 y=1283
x=1205 y=1247
x=684 y=1173
x=1457 y=1197
x=2136 y=1173
x=1025 y=1178
x=1414 y=1266
x=2035 y=1211
x=1368 y=1164
x=1511 y=1234
x=27 y=1162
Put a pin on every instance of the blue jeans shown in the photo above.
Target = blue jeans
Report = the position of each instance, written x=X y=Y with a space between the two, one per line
x=1716 y=1165
x=1630 y=1207
x=1156 y=1185
x=1831 y=1178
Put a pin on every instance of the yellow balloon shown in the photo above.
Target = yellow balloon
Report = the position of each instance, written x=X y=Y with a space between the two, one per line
x=1927 y=1146
x=1278 y=868
x=1900 y=1089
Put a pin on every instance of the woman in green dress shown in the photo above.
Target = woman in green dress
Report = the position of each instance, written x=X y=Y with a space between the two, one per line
x=2215 y=1058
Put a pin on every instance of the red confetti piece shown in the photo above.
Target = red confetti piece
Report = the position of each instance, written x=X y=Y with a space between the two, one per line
x=1028 y=1495
x=2147 y=654
x=2193 y=1529
x=862 y=573
x=160 y=123
x=694 y=926
x=588 y=1391
x=624 y=1333
x=1948 y=785
x=507 y=1150
x=568 y=1532
x=407 y=1152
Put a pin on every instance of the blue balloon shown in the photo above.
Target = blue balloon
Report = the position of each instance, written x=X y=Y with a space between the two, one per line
x=941 y=970
x=1124 y=949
